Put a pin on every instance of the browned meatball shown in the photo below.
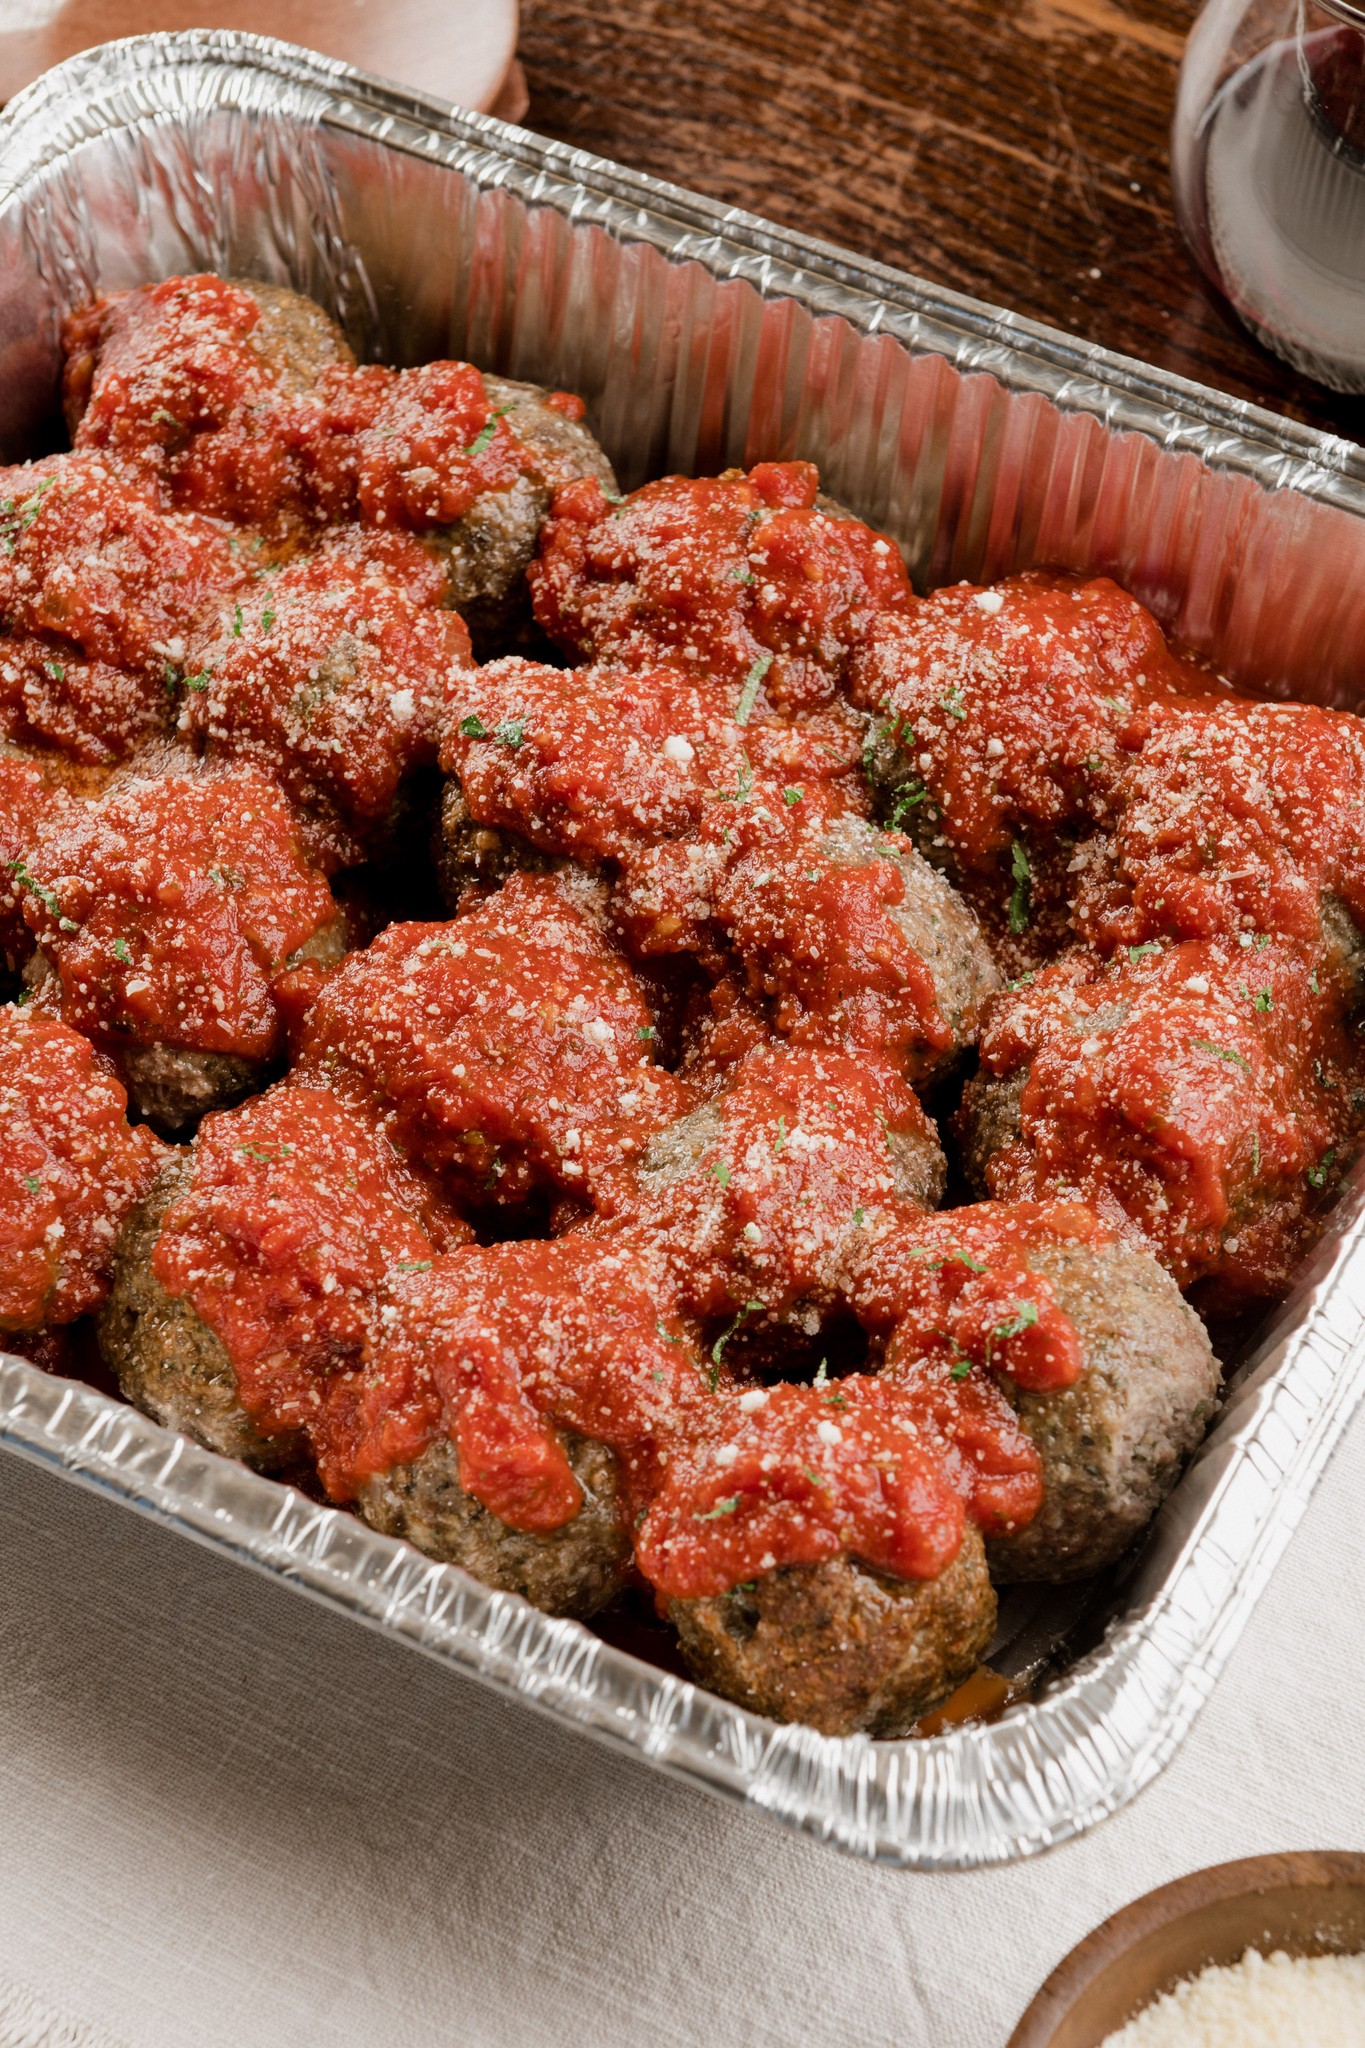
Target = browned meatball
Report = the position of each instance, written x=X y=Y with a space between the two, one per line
x=176 y=916
x=295 y=340
x=487 y=552
x=933 y=918
x=840 y=1647
x=157 y=331
x=1205 y=1091
x=762 y=1196
x=991 y=1119
x=168 y=1362
x=574 y=1569
x=1112 y=1444
x=173 y=1087
x=468 y=855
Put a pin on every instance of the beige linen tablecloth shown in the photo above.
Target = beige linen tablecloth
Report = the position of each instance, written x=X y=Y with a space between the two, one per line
x=229 y=1818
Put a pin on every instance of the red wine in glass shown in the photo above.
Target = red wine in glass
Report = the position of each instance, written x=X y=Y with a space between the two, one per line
x=1274 y=194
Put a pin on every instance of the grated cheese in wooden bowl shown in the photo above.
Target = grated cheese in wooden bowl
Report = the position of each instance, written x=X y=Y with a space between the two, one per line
x=1275 y=2001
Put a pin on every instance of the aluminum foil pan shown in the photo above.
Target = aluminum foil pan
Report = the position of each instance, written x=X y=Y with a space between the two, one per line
x=700 y=337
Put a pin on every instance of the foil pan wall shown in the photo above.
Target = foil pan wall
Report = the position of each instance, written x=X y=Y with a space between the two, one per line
x=699 y=337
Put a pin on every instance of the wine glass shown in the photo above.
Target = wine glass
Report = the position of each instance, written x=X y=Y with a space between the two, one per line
x=1268 y=164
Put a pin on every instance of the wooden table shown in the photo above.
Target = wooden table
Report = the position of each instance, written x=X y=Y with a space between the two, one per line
x=1015 y=152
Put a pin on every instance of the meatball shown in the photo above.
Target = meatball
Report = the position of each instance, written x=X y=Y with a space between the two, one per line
x=468 y=855
x=178 y=919
x=758 y=1197
x=247 y=1284
x=243 y=400
x=466 y=463
x=1004 y=718
x=71 y=1170
x=178 y=355
x=992 y=1121
x=488 y=549
x=742 y=579
x=933 y=918
x=293 y=338
x=1205 y=1094
x=173 y=1085
x=592 y=763
x=814 y=1554
x=642 y=774
x=332 y=680
x=167 y=1360
x=509 y=1050
x=99 y=587
x=35 y=788
x=1112 y=1444
x=1234 y=818
x=574 y=1569
x=1059 y=1370
x=840 y=1647
x=855 y=939
x=561 y=1388
x=196 y=383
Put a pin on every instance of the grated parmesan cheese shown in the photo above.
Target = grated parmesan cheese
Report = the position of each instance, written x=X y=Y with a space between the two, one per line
x=1275 y=2001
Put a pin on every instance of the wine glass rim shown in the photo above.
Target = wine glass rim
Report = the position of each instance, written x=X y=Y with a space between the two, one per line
x=1346 y=10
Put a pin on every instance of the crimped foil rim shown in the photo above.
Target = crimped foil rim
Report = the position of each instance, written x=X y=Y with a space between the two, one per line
x=71 y=103
x=973 y=1796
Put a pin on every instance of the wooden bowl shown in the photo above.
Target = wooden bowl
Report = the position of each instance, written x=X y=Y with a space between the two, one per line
x=1310 y=1903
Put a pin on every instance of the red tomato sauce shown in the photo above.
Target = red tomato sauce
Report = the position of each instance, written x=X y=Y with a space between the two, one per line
x=31 y=789
x=595 y=764
x=182 y=383
x=331 y=679
x=71 y=1169
x=51 y=697
x=1011 y=712
x=510 y=1050
x=167 y=380
x=406 y=448
x=742 y=579
x=525 y=1341
x=1203 y=1093
x=802 y=1474
x=958 y=1283
x=88 y=558
x=962 y=1411
x=756 y=1202
x=171 y=908
x=815 y=927
x=522 y=1341
x=1234 y=818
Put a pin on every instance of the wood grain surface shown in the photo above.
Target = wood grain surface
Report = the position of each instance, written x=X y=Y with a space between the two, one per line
x=1018 y=153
